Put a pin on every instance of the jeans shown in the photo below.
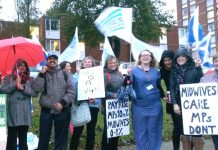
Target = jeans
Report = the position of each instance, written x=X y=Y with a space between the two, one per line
x=90 y=138
x=61 y=122
x=13 y=133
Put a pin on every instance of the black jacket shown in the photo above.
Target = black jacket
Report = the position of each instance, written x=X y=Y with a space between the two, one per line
x=192 y=74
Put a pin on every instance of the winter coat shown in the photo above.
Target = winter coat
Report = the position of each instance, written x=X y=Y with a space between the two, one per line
x=55 y=87
x=192 y=74
x=165 y=75
x=18 y=102
x=113 y=81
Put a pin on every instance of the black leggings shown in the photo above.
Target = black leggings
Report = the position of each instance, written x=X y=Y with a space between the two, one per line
x=13 y=133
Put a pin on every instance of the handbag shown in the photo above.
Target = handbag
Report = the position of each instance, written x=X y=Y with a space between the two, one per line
x=80 y=114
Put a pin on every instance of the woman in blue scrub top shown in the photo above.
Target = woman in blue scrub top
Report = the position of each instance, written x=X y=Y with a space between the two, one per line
x=147 y=112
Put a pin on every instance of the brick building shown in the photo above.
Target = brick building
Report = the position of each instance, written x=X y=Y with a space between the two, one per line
x=208 y=16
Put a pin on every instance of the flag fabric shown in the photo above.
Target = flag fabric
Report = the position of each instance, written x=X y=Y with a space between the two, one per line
x=204 y=50
x=43 y=63
x=115 y=21
x=72 y=52
x=138 y=46
x=196 y=32
x=106 y=51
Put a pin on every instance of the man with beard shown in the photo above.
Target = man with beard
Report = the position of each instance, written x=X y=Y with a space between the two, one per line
x=57 y=95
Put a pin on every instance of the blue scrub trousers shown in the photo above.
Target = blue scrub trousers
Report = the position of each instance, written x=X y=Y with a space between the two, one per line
x=147 y=127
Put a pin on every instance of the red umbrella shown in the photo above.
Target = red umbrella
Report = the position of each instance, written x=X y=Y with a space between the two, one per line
x=19 y=47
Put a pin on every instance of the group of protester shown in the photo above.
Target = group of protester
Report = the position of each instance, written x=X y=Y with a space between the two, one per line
x=58 y=88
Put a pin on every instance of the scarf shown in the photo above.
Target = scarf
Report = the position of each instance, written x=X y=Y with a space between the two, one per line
x=24 y=76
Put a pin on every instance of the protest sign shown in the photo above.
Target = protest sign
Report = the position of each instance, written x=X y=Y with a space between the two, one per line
x=199 y=104
x=91 y=83
x=117 y=113
x=3 y=121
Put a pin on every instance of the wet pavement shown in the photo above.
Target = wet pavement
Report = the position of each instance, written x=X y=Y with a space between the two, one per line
x=208 y=145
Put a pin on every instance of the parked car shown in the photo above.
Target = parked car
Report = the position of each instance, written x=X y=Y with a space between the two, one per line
x=125 y=66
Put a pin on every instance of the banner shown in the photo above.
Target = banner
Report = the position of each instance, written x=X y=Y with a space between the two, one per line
x=115 y=21
x=3 y=121
x=91 y=83
x=106 y=51
x=117 y=118
x=72 y=52
x=138 y=46
x=199 y=104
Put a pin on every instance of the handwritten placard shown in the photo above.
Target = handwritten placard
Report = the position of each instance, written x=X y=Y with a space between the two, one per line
x=117 y=113
x=3 y=121
x=199 y=104
x=91 y=83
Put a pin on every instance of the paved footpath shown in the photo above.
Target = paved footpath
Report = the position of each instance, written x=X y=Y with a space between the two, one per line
x=208 y=145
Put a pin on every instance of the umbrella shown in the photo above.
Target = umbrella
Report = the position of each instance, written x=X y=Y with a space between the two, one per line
x=19 y=47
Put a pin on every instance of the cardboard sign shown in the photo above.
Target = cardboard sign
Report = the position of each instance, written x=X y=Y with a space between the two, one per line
x=3 y=121
x=91 y=83
x=117 y=113
x=199 y=104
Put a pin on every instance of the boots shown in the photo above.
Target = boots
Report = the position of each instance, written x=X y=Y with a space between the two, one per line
x=186 y=142
x=198 y=143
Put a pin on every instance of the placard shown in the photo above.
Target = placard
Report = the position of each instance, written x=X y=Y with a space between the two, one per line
x=91 y=83
x=3 y=121
x=199 y=104
x=117 y=113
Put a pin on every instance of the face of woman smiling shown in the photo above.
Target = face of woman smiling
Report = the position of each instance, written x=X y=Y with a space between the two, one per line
x=181 y=59
x=87 y=63
x=22 y=68
x=112 y=64
x=145 y=57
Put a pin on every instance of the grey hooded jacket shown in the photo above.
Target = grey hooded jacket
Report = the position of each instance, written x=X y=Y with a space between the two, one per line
x=54 y=88
x=18 y=102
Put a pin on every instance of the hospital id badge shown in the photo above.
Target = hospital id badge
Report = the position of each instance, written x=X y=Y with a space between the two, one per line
x=149 y=87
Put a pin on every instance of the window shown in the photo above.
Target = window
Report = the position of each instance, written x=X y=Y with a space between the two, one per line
x=185 y=22
x=52 y=24
x=211 y=26
x=0 y=26
x=210 y=14
x=52 y=45
x=184 y=1
x=209 y=3
x=192 y=8
x=185 y=11
x=213 y=39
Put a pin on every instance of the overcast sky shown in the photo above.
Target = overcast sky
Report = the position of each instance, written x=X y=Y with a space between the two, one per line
x=8 y=9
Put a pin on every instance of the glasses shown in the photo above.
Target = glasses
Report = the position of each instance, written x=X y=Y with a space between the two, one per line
x=145 y=55
x=112 y=63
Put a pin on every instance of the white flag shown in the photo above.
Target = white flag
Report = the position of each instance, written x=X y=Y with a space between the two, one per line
x=106 y=51
x=72 y=52
x=115 y=21
x=138 y=46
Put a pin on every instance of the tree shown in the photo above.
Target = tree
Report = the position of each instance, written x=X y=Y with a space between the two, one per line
x=148 y=17
x=27 y=13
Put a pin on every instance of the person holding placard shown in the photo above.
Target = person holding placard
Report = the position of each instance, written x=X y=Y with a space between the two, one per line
x=184 y=71
x=212 y=77
x=165 y=69
x=94 y=105
x=17 y=86
x=147 y=111
x=113 y=81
